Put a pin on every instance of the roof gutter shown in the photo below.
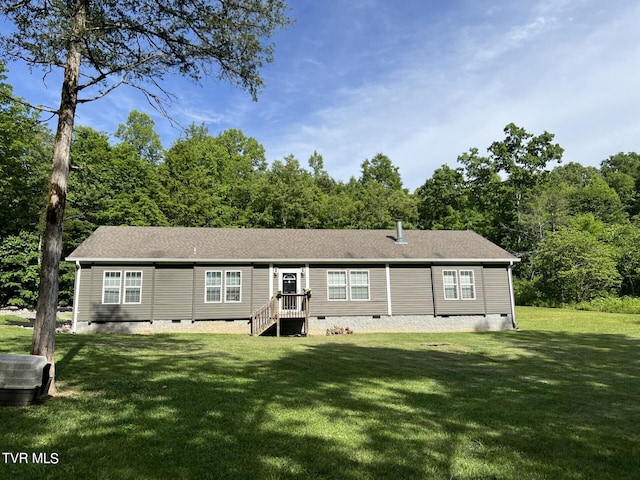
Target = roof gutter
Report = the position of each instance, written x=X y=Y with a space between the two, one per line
x=456 y=261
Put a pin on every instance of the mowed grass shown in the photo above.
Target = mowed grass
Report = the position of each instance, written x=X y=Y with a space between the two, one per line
x=558 y=399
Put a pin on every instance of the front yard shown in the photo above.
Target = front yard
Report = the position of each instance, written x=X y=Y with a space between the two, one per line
x=557 y=399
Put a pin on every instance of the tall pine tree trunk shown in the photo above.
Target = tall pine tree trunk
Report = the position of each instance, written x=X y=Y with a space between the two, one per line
x=44 y=332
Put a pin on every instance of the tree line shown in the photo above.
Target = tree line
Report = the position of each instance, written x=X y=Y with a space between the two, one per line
x=575 y=227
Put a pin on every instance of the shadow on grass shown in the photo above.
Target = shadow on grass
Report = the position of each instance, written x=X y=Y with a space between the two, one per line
x=542 y=405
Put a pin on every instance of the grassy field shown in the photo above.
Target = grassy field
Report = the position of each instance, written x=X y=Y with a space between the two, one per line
x=558 y=399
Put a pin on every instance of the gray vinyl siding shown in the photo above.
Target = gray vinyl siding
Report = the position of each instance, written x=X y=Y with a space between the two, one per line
x=457 y=307
x=259 y=286
x=411 y=291
x=320 y=305
x=173 y=293
x=176 y=292
x=83 y=293
x=223 y=310
x=496 y=290
x=91 y=282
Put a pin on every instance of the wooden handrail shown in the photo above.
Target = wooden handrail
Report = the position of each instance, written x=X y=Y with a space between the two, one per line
x=287 y=305
x=264 y=317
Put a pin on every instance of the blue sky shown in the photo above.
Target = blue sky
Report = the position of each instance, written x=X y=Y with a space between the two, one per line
x=421 y=81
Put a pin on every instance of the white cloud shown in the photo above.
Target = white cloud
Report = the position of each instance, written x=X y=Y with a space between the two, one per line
x=419 y=83
x=575 y=76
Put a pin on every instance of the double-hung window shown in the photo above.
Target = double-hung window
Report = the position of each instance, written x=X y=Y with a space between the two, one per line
x=459 y=284
x=355 y=282
x=467 y=285
x=132 y=287
x=450 y=280
x=337 y=285
x=219 y=285
x=213 y=287
x=359 y=283
x=111 y=288
x=233 y=284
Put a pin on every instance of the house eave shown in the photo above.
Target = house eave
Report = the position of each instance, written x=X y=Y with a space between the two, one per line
x=457 y=261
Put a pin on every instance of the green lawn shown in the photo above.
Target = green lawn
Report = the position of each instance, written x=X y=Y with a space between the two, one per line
x=558 y=399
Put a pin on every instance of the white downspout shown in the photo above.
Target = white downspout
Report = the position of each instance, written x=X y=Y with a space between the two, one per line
x=513 y=298
x=76 y=297
x=388 y=275
x=306 y=276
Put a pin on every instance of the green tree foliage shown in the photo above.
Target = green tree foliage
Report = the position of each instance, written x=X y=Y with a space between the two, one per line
x=546 y=212
x=576 y=227
x=379 y=196
x=320 y=176
x=575 y=265
x=443 y=201
x=598 y=198
x=242 y=165
x=570 y=225
x=476 y=195
x=24 y=162
x=484 y=190
x=287 y=197
x=19 y=270
x=211 y=181
x=127 y=42
x=190 y=179
x=622 y=173
x=108 y=186
x=139 y=135
x=382 y=171
x=523 y=158
x=626 y=238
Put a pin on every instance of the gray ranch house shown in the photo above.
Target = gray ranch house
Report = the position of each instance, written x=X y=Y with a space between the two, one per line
x=287 y=281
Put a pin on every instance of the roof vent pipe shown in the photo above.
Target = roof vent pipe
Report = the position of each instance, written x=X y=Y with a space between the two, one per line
x=399 y=238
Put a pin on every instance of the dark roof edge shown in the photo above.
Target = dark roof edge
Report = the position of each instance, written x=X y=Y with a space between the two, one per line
x=292 y=260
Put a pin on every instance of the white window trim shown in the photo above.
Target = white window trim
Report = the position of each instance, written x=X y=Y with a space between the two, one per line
x=104 y=276
x=226 y=300
x=458 y=285
x=206 y=287
x=472 y=284
x=125 y=288
x=368 y=285
x=444 y=285
x=346 y=286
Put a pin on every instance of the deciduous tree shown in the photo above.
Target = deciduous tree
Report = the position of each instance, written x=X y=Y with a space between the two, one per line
x=138 y=133
x=19 y=270
x=24 y=160
x=99 y=46
x=575 y=265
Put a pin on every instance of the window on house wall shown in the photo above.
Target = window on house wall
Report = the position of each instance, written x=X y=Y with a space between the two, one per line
x=359 y=283
x=111 y=287
x=450 y=281
x=213 y=287
x=132 y=287
x=337 y=285
x=459 y=284
x=233 y=285
x=467 y=285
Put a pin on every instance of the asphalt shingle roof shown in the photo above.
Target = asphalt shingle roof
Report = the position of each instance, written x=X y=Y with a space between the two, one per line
x=174 y=244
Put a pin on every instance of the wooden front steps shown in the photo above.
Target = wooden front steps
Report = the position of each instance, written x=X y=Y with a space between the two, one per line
x=284 y=306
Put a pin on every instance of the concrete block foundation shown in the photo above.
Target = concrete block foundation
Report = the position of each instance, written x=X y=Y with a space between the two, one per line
x=317 y=326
